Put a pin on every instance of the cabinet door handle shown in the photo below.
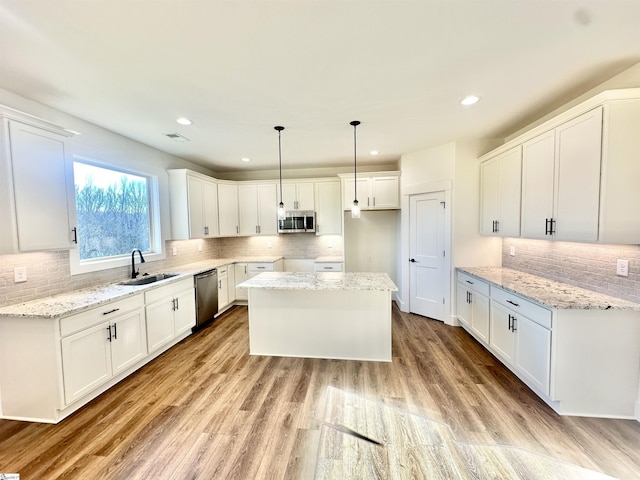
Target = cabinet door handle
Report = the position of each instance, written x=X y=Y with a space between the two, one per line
x=109 y=330
x=110 y=311
x=219 y=284
x=177 y=304
x=173 y=304
x=237 y=229
x=513 y=303
x=470 y=297
x=245 y=269
x=75 y=235
x=115 y=331
x=513 y=324
x=510 y=319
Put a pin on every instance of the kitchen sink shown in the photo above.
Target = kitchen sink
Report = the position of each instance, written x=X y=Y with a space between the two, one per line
x=144 y=280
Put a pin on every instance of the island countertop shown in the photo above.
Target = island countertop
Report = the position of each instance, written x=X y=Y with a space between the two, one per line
x=321 y=281
x=548 y=293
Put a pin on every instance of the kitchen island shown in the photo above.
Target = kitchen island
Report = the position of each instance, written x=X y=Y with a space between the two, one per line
x=334 y=315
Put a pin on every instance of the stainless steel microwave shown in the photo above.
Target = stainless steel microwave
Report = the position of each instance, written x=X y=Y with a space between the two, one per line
x=298 y=222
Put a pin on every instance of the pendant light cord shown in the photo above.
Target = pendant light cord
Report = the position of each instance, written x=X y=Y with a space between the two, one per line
x=279 y=129
x=355 y=123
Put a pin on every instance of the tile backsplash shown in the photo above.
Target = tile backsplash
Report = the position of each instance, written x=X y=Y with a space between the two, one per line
x=585 y=265
x=48 y=273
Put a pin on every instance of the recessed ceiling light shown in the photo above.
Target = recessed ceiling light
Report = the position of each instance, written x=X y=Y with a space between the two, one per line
x=374 y=152
x=245 y=159
x=184 y=121
x=470 y=100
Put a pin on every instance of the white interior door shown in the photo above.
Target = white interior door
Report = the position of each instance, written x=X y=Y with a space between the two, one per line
x=427 y=254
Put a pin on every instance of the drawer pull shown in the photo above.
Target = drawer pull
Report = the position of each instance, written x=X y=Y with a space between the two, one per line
x=328 y=268
x=513 y=303
x=469 y=282
x=110 y=311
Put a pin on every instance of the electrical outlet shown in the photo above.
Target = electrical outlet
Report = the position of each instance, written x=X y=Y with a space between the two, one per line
x=622 y=268
x=199 y=247
x=369 y=258
x=20 y=274
x=512 y=250
x=174 y=251
x=269 y=244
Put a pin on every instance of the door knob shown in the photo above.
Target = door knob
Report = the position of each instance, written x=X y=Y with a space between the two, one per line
x=413 y=260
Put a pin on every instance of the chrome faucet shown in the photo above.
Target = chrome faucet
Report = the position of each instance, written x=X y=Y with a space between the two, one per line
x=134 y=274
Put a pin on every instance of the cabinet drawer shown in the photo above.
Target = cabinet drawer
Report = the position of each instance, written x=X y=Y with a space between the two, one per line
x=222 y=270
x=260 y=267
x=167 y=291
x=473 y=283
x=328 y=267
x=538 y=314
x=105 y=312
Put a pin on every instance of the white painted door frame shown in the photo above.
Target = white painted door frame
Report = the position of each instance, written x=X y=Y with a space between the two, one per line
x=403 y=295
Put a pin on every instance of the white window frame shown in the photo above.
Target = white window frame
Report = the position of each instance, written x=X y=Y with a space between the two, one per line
x=157 y=251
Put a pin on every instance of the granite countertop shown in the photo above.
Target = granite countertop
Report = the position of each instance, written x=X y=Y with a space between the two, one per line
x=70 y=303
x=548 y=293
x=321 y=281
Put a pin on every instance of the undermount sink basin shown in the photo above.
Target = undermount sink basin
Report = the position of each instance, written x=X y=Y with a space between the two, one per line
x=148 y=279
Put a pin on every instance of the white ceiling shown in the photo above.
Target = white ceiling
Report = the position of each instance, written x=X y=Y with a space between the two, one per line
x=238 y=68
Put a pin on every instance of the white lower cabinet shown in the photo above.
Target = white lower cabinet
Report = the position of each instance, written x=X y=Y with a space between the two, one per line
x=522 y=344
x=223 y=287
x=472 y=304
x=170 y=312
x=94 y=355
x=241 y=274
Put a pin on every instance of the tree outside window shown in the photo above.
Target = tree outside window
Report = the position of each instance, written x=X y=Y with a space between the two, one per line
x=113 y=212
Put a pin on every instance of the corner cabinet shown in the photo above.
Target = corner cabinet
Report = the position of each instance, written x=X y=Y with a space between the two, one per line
x=36 y=186
x=228 y=209
x=374 y=190
x=257 y=209
x=193 y=204
x=500 y=180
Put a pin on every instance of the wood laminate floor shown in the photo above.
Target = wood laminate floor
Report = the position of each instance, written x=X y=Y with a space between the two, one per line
x=208 y=410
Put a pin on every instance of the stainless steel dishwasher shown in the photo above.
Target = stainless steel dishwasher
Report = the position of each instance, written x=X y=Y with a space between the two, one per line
x=206 y=296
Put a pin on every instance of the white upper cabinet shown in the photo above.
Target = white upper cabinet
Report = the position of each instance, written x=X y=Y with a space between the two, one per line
x=579 y=173
x=374 y=190
x=561 y=181
x=619 y=192
x=36 y=188
x=298 y=196
x=258 y=209
x=538 y=160
x=194 y=205
x=228 y=209
x=329 y=208
x=500 y=194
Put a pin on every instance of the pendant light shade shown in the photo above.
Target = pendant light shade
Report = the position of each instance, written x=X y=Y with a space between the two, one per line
x=355 y=209
x=281 y=210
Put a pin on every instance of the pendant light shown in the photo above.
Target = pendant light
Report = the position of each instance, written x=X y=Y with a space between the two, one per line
x=355 y=209
x=281 y=211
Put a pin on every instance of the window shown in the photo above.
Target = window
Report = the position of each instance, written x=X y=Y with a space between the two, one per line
x=114 y=215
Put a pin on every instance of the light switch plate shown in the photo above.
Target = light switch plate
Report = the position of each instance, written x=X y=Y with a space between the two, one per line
x=174 y=251
x=622 y=268
x=20 y=274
